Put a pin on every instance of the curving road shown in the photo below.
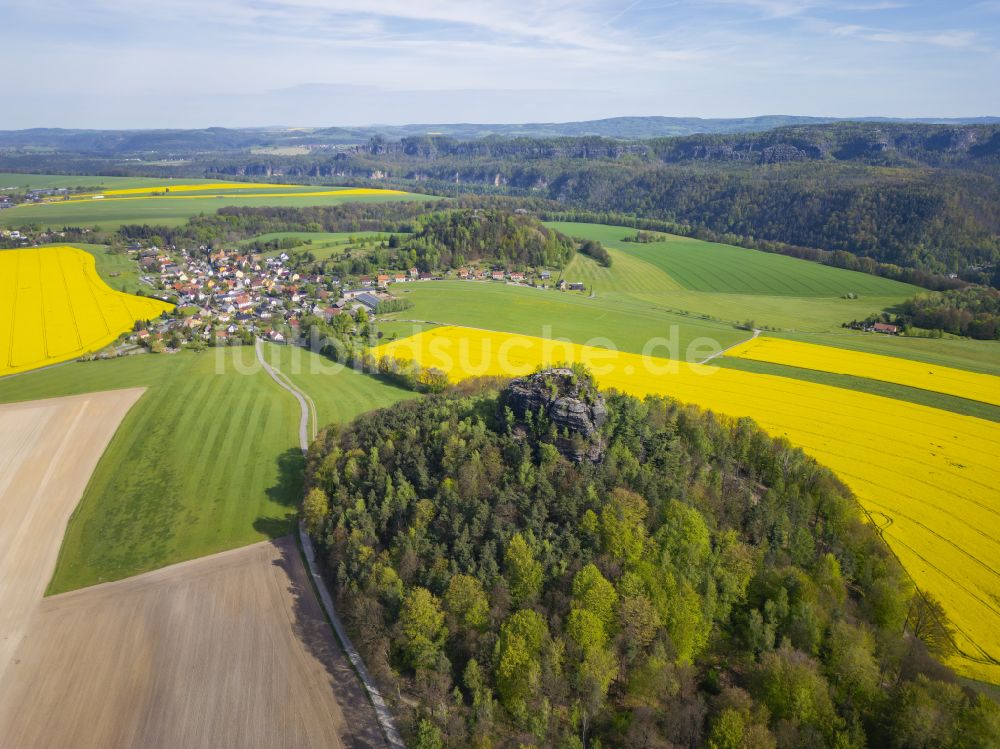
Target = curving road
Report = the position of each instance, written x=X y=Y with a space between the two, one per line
x=305 y=429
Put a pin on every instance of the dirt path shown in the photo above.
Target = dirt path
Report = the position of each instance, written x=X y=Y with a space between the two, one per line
x=381 y=709
x=48 y=450
x=756 y=333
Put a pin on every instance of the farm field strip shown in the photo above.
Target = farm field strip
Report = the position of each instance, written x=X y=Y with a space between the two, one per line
x=207 y=460
x=698 y=265
x=932 y=472
x=229 y=650
x=173 y=210
x=345 y=192
x=48 y=449
x=54 y=307
x=191 y=187
x=972 y=385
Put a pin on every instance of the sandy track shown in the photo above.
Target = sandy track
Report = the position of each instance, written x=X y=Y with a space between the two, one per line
x=230 y=650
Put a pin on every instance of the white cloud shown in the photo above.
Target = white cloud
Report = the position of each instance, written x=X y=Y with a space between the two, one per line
x=951 y=39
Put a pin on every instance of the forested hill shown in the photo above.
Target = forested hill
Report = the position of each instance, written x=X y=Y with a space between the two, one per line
x=918 y=196
x=689 y=582
x=914 y=195
x=131 y=142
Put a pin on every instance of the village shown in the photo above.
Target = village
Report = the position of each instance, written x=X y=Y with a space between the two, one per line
x=231 y=297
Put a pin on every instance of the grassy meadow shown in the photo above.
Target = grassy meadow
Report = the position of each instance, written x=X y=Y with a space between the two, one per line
x=729 y=283
x=323 y=245
x=173 y=210
x=203 y=462
x=42 y=181
x=625 y=324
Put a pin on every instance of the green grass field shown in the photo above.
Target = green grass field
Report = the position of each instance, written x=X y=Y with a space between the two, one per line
x=323 y=245
x=168 y=211
x=709 y=267
x=204 y=461
x=40 y=181
x=731 y=284
x=625 y=324
x=340 y=393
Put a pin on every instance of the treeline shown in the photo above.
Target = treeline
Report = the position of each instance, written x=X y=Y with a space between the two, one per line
x=449 y=239
x=972 y=312
x=473 y=230
x=703 y=585
x=594 y=249
x=233 y=224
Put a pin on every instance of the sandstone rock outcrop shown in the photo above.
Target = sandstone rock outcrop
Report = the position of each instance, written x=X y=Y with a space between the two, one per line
x=571 y=403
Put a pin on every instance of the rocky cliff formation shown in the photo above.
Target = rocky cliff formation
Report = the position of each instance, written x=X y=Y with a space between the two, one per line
x=570 y=403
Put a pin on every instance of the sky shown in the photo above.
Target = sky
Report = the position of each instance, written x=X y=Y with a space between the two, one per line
x=306 y=63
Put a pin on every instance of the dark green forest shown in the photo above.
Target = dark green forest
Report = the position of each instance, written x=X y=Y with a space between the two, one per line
x=912 y=195
x=697 y=584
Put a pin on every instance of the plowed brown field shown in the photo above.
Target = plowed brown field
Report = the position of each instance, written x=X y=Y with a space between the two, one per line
x=230 y=650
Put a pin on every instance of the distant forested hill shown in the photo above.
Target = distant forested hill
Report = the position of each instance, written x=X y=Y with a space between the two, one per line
x=916 y=195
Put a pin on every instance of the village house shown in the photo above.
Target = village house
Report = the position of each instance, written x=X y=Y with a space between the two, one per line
x=881 y=327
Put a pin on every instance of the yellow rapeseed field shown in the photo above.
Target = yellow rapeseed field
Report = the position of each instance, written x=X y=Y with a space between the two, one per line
x=54 y=307
x=972 y=385
x=929 y=477
x=192 y=188
x=303 y=192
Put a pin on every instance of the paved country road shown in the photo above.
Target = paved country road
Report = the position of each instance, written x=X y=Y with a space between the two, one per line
x=305 y=430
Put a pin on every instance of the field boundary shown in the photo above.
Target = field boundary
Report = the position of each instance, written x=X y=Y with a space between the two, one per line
x=309 y=552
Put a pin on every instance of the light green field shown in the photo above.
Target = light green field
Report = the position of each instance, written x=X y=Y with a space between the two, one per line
x=710 y=267
x=788 y=313
x=730 y=284
x=340 y=393
x=816 y=318
x=169 y=211
x=323 y=245
x=628 y=325
x=39 y=181
x=630 y=278
x=205 y=461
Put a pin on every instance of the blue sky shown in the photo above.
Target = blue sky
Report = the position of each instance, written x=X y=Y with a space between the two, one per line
x=195 y=63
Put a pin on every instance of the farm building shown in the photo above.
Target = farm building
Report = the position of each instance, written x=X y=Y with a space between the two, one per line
x=881 y=327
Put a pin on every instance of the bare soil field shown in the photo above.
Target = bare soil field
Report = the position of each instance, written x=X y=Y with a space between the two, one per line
x=229 y=650
x=48 y=449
